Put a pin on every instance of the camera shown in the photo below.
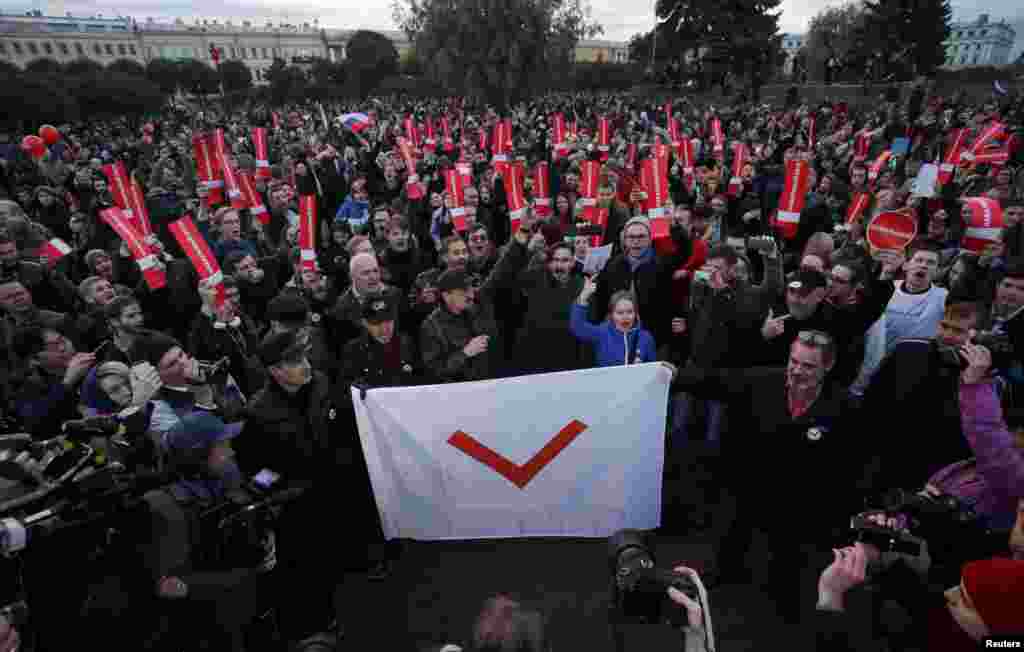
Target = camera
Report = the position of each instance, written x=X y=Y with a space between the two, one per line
x=954 y=532
x=998 y=344
x=639 y=588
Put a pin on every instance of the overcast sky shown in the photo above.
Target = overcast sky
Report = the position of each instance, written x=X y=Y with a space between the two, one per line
x=621 y=18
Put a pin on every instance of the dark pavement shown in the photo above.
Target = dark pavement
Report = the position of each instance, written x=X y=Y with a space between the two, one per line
x=437 y=588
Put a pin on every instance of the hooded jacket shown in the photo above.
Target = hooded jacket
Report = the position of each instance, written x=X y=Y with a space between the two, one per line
x=612 y=347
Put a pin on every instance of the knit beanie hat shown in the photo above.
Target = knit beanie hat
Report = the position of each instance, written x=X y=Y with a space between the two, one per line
x=642 y=221
x=996 y=587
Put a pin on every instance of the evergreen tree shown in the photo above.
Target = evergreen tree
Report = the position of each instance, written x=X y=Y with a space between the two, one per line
x=908 y=33
x=740 y=36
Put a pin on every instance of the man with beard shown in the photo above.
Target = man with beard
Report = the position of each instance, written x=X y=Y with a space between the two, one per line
x=649 y=276
x=459 y=340
x=366 y=282
x=125 y=321
x=51 y=290
x=544 y=343
x=782 y=418
x=808 y=310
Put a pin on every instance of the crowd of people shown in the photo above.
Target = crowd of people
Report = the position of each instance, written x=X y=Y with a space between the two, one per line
x=810 y=360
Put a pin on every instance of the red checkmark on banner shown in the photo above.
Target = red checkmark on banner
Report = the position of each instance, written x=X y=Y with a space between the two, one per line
x=520 y=476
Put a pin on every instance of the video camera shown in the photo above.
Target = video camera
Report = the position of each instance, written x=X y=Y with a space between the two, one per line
x=639 y=587
x=952 y=530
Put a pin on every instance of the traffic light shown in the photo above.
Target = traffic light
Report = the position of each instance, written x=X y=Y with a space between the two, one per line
x=214 y=54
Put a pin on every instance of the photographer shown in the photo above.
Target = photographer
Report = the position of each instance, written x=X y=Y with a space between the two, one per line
x=986 y=603
x=214 y=588
x=920 y=377
x=991 y=482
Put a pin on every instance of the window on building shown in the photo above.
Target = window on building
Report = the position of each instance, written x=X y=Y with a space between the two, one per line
x=266 y=53
x=3 y=49
x=970 y=34
x=80 y=49
x=963 y=60
x=234 y=54
x=241 y=52
x=121 y=49
x=48 y=48
x=64 y=49
x=33 y=49
x=984 y=32
x=109 y=49
x=17 y=48
x=253 y=54
x=131 y=49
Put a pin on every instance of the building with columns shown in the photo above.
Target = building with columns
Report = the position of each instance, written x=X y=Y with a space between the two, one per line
x=979 y=43
x=791 y=45
x=26 y=37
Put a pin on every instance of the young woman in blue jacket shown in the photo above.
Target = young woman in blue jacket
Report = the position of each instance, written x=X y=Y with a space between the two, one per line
x=619 y=339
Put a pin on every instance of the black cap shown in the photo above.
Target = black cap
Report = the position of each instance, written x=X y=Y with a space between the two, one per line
x=452 y=280
x=288 y=307
x=807 y=280
x=277 y=347
x=152 y=347
x=380 y=309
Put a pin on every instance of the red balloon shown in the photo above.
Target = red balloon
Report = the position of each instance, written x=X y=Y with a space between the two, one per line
x=34 y=145
x=148 y=128
x=147 y=139
x=49 y=134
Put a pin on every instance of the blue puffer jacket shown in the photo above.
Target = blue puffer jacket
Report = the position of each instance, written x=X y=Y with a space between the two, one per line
x=354 y=211
x=611 y=345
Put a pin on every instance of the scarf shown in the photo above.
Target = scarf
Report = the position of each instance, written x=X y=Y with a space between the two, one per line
x=646 y=257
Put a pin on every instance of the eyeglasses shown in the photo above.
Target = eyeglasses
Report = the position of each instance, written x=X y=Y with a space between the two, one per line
x=814 y=338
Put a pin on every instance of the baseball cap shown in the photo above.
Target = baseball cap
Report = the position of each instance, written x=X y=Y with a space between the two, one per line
x=198 y=430
x=808 y=280
x=452 y=280
x=380 y=309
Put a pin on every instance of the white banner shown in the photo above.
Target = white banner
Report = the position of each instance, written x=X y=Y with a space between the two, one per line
x=570 y=454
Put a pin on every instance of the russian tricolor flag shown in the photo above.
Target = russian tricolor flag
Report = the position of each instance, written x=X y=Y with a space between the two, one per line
x=356 y=121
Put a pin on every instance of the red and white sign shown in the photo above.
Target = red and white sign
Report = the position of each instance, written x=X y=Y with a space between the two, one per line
x=986 y=137
x=149 y=263
x=794 y=196
x=952 y=158
x=558 y=136
x=631 y=157
x=455 y=188
x=740 y=158
x=515 y=194
x=231 y=183
x=655 y=184
x=446 y=131
x=430 y=144
x=604 y=138
x=541 y=190
x=412 y=134
x=892 y=230
x=117 y=181
x=252 y=198
x=858 y=204
x=983 y=222
x=55 y=250
x=139 y=212
x=876 y=168
x=259 y=141
x=198 y=251
x=862 y=146
x=208 y=169
x=718 y=138
x=590 y=175
x=307 y=231
x=413 y=189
